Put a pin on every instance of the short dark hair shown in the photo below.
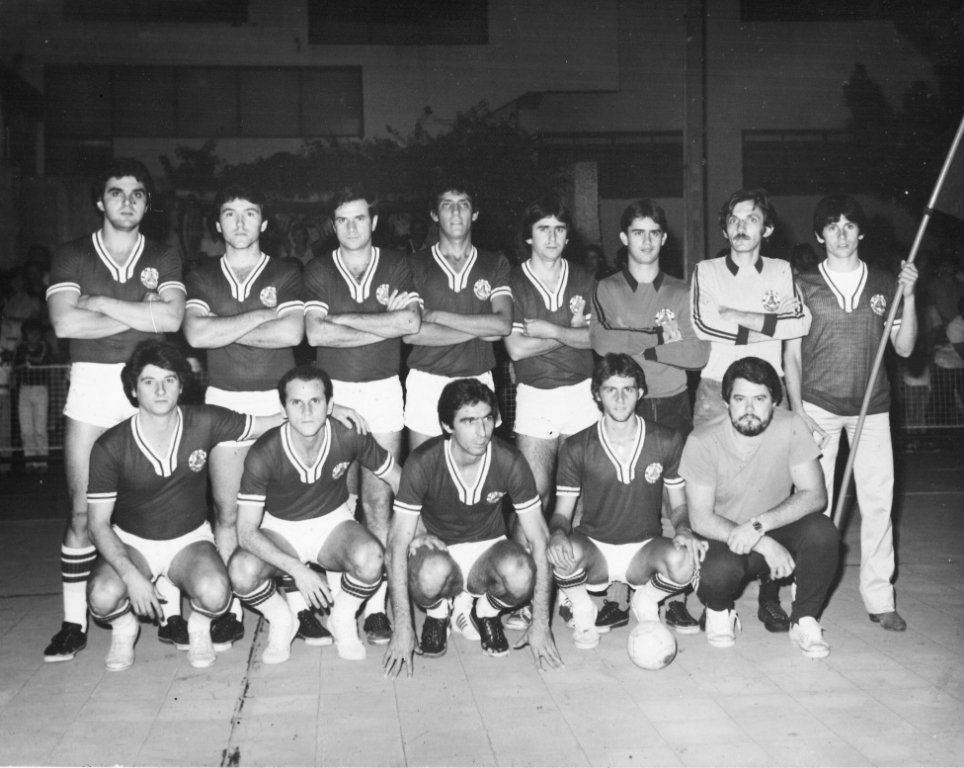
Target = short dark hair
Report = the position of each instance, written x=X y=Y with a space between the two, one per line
x=463 y=392
x=756 y=196
x=645 y=208
x=118 y=169
x=803 y=257
x=308 y=372
x=240 y=191
x=755 y=371
x=351 y=192
x=832 y=207
x=616 y=364
x=544 y=209
x=452 y=184
x=163 y=354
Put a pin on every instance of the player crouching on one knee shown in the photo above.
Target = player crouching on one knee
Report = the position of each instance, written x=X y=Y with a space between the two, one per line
x=148 y=508
x=293 y=512
x=620 y=466
x=455 y=484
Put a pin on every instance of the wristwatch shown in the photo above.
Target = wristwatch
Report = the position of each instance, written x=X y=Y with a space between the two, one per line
x=757 y=525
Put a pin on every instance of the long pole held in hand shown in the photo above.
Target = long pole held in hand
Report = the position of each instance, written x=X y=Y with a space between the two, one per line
x=894 y=306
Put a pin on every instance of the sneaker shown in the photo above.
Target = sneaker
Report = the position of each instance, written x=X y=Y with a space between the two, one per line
x=200 y=654
x=311 y=630
x=461 y=620
x=174 y=633
x=891 y=621
x=808 y=635
x=565 y=611
x=121 y=653
x=344 y=628
x=491 y=633
x=519 y=620
x=66 y=643
x=680 y=619
x=280 y=636
x=610 y=616
x=435 y=634
x=586 y=636
x=225 y=631
x=721 y=627
x=378 y=629
x=644 y=607
x=773 y=616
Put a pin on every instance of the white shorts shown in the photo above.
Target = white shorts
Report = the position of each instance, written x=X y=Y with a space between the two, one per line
x=465 y=556
x=618 y=557
x=307 y=537
x=160 y=554
x=379 y=402
x=261 y=403
x=549 y=413
x=96 y=395
x=422 y=391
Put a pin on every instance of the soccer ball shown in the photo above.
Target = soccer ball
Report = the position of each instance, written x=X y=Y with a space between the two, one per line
x=651 y=645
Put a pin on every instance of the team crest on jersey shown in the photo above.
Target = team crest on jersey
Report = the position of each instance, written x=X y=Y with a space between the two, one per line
x=577 y=304
x=665 y=316
x=269 y=296
x=381 y=294
x=878 y=303
x=771 y=301
x=339 y=470
x=482 y=289
x=149 y=278
x=654 y=472
x=197 y=459
x=493 y=497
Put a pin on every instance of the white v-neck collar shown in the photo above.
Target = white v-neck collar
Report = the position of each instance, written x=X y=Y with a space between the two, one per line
x=457 y=280
x=552 y=299
x=306 y=473
x=164 y=465
x=625 y=471
x=360 y=289
x=120 y=273
x=241 y=289
x=468 y=494
x=848 y=303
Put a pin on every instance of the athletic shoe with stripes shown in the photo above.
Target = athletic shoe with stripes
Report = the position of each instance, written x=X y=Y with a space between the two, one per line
x=66 y=643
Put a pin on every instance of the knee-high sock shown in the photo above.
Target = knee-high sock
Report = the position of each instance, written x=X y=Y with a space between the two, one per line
x=659 y=588
x=376 y=603
x=439 y=609
x=489 y=606
x=296 y=600
x=353 y=594
x=267 y=599
x=198 y=623
x=574 y=587
x=75 y=565
x=171 y=595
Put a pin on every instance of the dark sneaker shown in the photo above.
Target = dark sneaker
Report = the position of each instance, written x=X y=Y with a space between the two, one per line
x=773 y=616
x=377 y=628
x=680 y=619
x=434 y=636
x=175 y=633
x=225 y=631
x=891 y=621
x=610 y=617
x=312 y=631
x=66 y=643
x=490 y=629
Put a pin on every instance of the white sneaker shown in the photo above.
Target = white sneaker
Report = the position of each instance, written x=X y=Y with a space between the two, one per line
x=281 y=633
x=585 y=636
x=461 y=620
x=344 y=628
x=808 y=635
x=121 y=653
x=721 y=627
x=200 y=653
x=519 y=620
x=644 y=607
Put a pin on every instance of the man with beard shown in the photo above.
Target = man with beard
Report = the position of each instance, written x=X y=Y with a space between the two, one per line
x=755 y=490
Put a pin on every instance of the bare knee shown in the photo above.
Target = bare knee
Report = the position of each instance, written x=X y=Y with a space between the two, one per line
x=244 y=572
x=105 y=594
x=679 y=565
x=517 y=572
x=432 y=577
x=212 y=591
x=367 y=561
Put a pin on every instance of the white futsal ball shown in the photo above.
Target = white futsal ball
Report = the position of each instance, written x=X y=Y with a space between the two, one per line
x=651 y=645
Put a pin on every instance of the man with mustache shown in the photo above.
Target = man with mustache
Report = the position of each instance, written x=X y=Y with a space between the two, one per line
x=755 y=491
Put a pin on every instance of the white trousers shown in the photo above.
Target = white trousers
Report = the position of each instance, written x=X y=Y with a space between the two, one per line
x=874 y=477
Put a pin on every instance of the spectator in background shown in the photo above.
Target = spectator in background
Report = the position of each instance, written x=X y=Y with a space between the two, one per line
x=300 y=245
x=594 y=260
x=30 y=362
x=19 y=305
x=803 y=257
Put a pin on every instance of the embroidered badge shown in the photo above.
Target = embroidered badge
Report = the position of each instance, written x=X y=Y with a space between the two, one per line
x=269 y=296
x=654 y=472
x=482 y=289
x=493 y=497
x=381 y=294
x=878 y=304
x=577 y=304
x=664 y=316
x=771 y=301
x=149 y=278
x=339 y=470
x=196 y=460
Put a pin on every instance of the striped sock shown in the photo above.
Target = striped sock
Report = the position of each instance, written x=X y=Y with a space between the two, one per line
x=75 y=566
x=659 y=587
x=488 y=607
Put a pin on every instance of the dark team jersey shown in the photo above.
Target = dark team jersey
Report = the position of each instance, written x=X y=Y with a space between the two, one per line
x=483 y=277
x=838 y=353
x=452 y=508
x=331 y=289
x=531 y=299
x=84 y=267
x=276 y=480
x=215 y=289
x=157 y=496
x=623 y=501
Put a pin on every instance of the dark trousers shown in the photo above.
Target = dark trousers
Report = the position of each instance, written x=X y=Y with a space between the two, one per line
x=673 y=411
x=812 y=541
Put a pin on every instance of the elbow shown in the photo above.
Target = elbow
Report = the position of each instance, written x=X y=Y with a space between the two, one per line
x=504 y=327
x=512 y=349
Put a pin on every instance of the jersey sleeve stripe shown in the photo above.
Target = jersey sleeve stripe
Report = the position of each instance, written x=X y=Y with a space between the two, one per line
x=254 y=499
x=62 y=287
x=568 y=490
x=198 y=304
x=408 y=509
x=291 y=306
x=674 y=482
x=414 y=299
x=386 y=467
x=502 y=290
x=528 y=506
x=176 y=285
x=248 y=428
x=94 y=498
x=316 y=306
